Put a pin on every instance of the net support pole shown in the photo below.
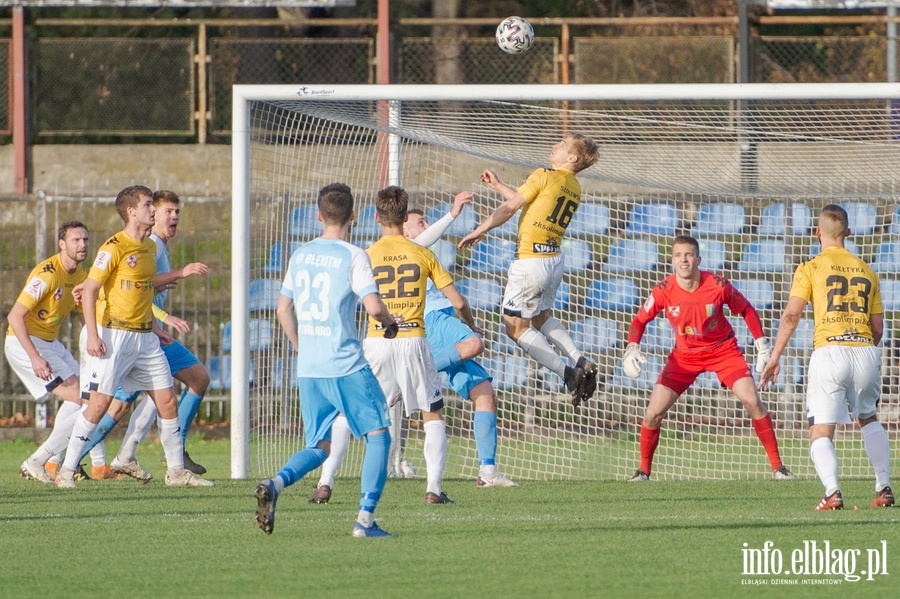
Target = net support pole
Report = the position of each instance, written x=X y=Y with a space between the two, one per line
x=240 y=286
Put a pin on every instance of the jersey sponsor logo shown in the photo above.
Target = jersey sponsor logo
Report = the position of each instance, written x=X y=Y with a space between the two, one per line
x=131 y=260
x=42 y=314
x=36 y=288
x=849 y=338
x=648 y=305
x=545 y=248
x=101 y=262
x=136 y=285
x=674 y=311
x=57 y=295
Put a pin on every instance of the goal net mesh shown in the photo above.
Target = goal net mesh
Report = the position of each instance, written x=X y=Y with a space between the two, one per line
x=745 y=178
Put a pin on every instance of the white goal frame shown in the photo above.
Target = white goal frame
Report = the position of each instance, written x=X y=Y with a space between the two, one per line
x=243 y=95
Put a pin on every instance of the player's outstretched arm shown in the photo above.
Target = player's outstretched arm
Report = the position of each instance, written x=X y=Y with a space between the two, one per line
x=167 y=280
x=461 y=305
x=513 y=202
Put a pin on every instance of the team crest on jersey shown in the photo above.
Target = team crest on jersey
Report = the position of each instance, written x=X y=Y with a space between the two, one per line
x=57 y=295
x=36 y=288
x=101 y=262
x=674 y=311
x=710 y=309
x=131 y=260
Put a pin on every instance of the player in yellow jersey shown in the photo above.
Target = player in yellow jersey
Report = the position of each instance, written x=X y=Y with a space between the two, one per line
x=121 y=339
x=845 y=366
x=548 y=201
x=404 y=365
x=40 y=360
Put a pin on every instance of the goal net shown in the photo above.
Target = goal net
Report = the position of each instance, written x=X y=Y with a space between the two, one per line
x=744 y=169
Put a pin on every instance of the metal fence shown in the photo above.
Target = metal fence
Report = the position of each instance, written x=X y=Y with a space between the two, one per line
x=154 y=80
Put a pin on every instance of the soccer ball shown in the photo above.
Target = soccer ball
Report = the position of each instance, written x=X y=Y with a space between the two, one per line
x=514 y=35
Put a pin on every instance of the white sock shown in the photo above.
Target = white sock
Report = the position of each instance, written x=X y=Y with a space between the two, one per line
x=142 y=419
x=170 y=437
x=367 y=519
x=98 y=454
x=58 y=440
x=340 y=439
x=875 y=440
x=824 y=459
x=537 y=346
x=435 y=454
x=81 y=436
x=557 y=334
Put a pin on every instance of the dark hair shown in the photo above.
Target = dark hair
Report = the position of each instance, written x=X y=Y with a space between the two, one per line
x=335 y=203
x=69 y=224
x=165 y=196
x=129 y=198
x=687 y=240
x=392 y=205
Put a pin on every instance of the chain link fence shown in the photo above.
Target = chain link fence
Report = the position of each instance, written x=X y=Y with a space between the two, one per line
x=819 y=60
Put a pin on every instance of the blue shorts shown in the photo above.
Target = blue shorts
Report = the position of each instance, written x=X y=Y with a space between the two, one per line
x=443 y=328
x=357 y=396
x=178 y=356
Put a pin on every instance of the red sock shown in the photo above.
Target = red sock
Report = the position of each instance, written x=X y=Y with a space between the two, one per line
x=649 y=441
x=766 y=434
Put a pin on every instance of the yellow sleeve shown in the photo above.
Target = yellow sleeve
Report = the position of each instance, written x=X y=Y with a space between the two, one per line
x=159 y=313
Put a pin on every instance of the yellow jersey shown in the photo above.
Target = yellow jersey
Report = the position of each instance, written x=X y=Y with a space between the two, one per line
x=125 y=268
x=48 y=297
x=402 y=269
x=844 y=293
x=552 y=197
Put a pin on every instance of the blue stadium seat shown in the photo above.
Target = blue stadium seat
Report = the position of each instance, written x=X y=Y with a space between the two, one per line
x=723 y=218
x=774 y=220
x=304 y=222
x=577 y=255
x=849 y=244
x=264 y=294
x=895 y=222
x=366 y=225
x=659 y=338
x=279 y=376
x=862 y=216
x=760 y=292
x=630 y=255
x=493 y=255
x=766 y=255
x=645 y=381
x=612 y=294
x=741 y=332
x=713 y=253
x=509 y=370
x=483 y=293
x=890 y=295
x=461 y=226
x=259 y=336
x=446 y=253
x=591 y=220
x=653 y=219
x=275 y=263
x=887 y=257
x=219 y=369
x=563 y=297
x=595 y=335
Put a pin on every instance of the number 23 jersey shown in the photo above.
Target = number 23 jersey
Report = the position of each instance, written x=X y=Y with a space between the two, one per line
x=402 y=269
x=844 y=292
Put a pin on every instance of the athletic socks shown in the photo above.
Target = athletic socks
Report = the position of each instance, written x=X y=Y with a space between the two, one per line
x=170 y=437
x=557 y=334
x=340 y=440
x=649 y=443
x=187 y=411
x=106 y=424
x=766 y=434
x=58 y=440
x=484 y=427
x=300 y=464
x=875 y=440
x=374 y=475
x=537 y=346
x=435 y=454
x=142 y=419
x=81 y=436
x=824 y=459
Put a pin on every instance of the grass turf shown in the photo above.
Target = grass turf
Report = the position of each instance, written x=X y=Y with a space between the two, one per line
x=543 y=539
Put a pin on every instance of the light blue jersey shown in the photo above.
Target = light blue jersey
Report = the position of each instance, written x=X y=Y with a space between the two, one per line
x=435 y=299
x=324 y=279
x=163 y=266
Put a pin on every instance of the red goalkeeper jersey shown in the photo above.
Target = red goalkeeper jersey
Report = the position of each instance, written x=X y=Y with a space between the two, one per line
x=696 y=316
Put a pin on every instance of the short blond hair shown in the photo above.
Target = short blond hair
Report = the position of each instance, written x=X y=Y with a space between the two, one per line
x=585 y=149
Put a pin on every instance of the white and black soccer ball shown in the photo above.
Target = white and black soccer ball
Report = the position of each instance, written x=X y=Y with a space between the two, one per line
x=514 y=35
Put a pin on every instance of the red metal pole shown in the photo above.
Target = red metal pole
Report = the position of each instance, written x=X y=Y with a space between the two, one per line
x=18 y=105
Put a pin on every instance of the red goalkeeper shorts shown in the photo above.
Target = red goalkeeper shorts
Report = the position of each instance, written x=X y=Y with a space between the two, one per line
x=726 y=360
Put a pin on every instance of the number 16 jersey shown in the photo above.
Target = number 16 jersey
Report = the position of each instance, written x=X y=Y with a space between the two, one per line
x=844 y=292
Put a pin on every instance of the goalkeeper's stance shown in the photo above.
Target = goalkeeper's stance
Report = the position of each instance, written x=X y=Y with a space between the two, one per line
x=704 y=341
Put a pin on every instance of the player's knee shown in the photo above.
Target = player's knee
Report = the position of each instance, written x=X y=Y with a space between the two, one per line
x=471 y=347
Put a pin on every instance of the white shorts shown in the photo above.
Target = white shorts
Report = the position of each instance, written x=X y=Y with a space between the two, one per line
x=844 y=384
x=62 y=363
x=405 y=366
x=134 y=361
x=532 y=284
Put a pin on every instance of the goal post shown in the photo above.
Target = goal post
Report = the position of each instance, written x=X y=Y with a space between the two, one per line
x=744 y=168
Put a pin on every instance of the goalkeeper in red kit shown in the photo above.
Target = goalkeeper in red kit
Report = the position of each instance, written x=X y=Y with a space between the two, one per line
x=693 y=302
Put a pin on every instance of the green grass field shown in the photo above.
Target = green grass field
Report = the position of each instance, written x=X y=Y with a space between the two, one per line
x=543 y=539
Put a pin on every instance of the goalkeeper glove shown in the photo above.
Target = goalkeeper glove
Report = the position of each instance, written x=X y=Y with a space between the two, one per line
x=391 y=330
x=632 y=360
x=763 y=353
